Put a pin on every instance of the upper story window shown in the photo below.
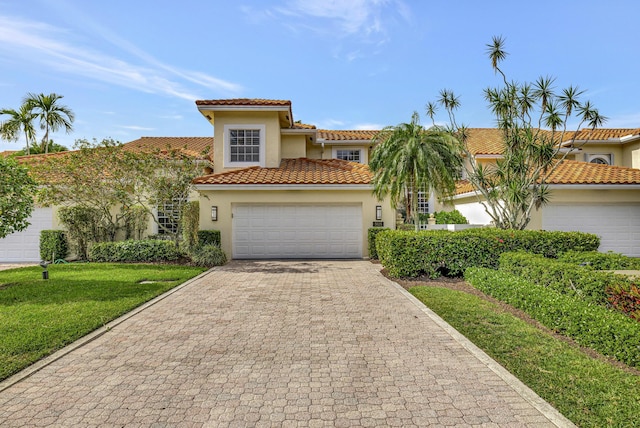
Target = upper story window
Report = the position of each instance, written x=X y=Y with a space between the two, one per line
x=244 y=145
x=353 y=155
x=602 y=159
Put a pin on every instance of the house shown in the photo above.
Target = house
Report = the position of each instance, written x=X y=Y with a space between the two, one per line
x=596 y=190
x=24 y=246
x=282 y=189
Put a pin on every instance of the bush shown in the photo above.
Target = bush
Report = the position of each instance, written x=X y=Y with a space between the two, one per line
x=438 y=252
x=601 y=261
x=83 y=227
x=208 y=256
x=371 y=239
x=190 y=219
x=565 y=278
x=625 y=298
x=135 y=251
x=209 y=237
x=450 y=217
x=594 y=326
x=53 y=245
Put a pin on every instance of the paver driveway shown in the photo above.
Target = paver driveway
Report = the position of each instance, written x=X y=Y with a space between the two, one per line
x=329 y=343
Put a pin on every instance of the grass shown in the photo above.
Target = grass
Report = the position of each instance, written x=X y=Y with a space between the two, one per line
x=588 y=391
x=39 y=317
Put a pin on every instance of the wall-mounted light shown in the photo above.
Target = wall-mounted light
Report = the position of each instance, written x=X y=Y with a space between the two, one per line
x=214 y=213
x=378 y=212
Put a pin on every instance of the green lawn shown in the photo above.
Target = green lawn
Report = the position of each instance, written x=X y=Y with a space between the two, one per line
x=38 y=317
x=588 y=391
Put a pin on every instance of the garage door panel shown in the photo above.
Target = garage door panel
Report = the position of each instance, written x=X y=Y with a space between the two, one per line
x=617 y=225
x=24 y=246
x=297 y=231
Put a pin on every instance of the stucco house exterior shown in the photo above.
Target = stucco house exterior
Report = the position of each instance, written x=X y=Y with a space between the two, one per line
x=596 y=190
x=282 y=189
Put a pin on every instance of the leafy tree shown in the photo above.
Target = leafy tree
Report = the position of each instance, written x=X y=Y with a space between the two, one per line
x=118 y=184
x=533 y=119
x=51 y=113
x=17 y=189
x=37 y=150
x=99 y=176
x=409 y=158
x=20 y=121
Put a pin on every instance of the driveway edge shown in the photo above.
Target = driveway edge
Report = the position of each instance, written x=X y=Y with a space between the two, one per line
x=40 y=364
x=523 y=390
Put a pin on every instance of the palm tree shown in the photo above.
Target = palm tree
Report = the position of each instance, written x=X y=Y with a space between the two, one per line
x=21 y=120
x=52 y=115
x=408 y=159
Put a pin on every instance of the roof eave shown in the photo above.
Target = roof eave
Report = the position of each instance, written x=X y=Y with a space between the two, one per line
x=271 y=187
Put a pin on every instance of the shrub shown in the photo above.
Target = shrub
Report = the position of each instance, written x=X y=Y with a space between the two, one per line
x=601 y=261
x=437 y=252
x=208 y=256
x=135 y=251
x=53 y=245
x=83 y=227
x=565 y=278
x=209 y=237
x=135 y=221
x=371 y=240
x=594 y=326
x=625 y=298
x=450 y=217
x=190 y=219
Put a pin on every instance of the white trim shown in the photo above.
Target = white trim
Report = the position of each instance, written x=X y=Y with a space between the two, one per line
x=283 y=187
x=569 y=187
x=341 y=142
x=227 y=150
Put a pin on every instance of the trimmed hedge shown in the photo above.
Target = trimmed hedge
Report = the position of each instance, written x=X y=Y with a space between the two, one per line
x=208 y=256
x=566 y=278
x=209 y=237
x=601 y=261
x=146 y=250
x=440 y=252
x=594 y=326
x=371 y=240
x=53 y=245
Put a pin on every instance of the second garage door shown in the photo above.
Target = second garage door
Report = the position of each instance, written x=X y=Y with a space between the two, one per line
x=25 y=246
x=618 y=225
x=265 y=231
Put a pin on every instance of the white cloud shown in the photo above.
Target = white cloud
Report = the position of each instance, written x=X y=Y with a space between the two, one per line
x=32 y=41
x=136 y=128
x=363 y=18
x=368 y=126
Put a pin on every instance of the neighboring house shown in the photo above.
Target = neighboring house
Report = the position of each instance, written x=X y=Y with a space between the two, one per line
x=597 y=190
x=282 y=189
x=24 y=246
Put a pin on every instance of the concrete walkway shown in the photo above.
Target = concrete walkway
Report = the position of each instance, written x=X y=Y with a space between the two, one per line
x=277 y=344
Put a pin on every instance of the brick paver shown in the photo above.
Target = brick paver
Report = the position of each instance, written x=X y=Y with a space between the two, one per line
x=283 y=344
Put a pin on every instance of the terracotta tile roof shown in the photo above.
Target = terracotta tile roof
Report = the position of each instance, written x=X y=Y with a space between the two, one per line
x=8 y=153
x=244 y=102
x=484 y=141
x=295 y=171
x=189 y=146
x=574 y=172
x=302 y=126
x=344 y=135
x=604 y=134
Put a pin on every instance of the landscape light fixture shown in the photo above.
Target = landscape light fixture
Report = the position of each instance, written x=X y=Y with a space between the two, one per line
x=378 y=212
x=214 y=213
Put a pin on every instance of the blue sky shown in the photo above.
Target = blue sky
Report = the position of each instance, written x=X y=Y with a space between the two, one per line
x=134 y=68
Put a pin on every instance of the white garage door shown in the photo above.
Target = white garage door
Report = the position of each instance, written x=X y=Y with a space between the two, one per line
x=297 y=231
x=25 y=246
x=617 y=225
